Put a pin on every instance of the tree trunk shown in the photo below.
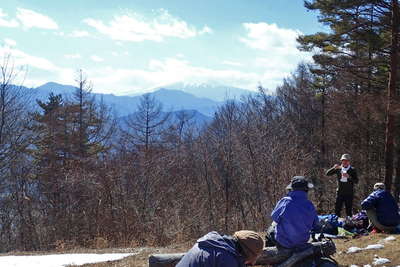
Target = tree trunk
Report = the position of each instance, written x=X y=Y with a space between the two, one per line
x=390 y=116
x=397 y=176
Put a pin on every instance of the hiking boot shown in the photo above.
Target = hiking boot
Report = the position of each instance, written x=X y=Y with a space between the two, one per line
x=375 y=231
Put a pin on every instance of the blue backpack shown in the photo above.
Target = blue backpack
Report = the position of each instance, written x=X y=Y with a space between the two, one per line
x=329 y=224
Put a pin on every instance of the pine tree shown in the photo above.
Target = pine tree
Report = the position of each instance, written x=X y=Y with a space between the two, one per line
x=71 y=138
x=359 y=53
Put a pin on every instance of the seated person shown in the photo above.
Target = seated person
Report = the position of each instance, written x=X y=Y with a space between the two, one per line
x=215 y=250
x=384 y=206
x=294 y=217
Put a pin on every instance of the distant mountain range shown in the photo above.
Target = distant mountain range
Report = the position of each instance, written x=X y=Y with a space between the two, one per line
x=204 y=98
x=214 y=91
x=199 y=100
x=172 y=100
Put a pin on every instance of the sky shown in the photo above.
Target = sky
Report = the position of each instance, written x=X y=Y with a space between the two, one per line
x=129 y=47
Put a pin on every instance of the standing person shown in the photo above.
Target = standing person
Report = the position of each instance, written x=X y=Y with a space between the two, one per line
x=346 y=178
x=294 y=217
x=215 y=250
x=384 y=207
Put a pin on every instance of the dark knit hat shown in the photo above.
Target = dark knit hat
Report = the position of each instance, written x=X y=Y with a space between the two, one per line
x=300 y=183
x=251 y=243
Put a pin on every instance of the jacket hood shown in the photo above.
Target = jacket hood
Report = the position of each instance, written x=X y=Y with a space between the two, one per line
x=298 y=194
x=215 y=240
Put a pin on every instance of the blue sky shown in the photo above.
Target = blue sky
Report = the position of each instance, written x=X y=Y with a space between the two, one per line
x=128 y=47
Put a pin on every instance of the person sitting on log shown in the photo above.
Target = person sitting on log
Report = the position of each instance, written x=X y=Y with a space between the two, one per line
x=294 y=217
x=382 y=209
x=215 y=250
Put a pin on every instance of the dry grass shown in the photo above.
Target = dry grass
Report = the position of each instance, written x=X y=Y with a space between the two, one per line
x=391 y=251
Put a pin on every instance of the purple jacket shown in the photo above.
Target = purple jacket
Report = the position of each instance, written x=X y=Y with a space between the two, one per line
x=213 y=250
x=387 y=210
x=295 y=216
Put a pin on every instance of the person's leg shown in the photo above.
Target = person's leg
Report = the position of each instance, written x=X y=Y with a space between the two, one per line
x=348 y=203
x=376 y=224
x=338 y=204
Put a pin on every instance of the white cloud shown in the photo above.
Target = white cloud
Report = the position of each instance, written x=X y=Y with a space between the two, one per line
x=9 y=42
x=206 y=30
x=32 y=19
x=5 y=22
x=269 y=37
x=163 y=72
x=96 y=58
x=231 y=63
x=279 y=55
x=135 y=28
x=78 y=34
x=20 y=58
x=40 y=70
x=115 y=54
x=72 y=56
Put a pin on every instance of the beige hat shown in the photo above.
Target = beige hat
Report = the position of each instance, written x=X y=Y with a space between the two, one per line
x=251 y=243
x=345 y=157
x=379 y=186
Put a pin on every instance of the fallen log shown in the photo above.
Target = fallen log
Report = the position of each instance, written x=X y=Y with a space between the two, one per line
x=270 y=255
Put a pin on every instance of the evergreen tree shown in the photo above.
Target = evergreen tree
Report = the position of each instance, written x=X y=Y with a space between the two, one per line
x=359 y=54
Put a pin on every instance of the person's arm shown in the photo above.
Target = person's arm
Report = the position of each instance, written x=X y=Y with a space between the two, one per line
x=354 y=176
x=229 y=261
x=332 y=170
x=279 y=210
x=369 y=202
x=316 y=227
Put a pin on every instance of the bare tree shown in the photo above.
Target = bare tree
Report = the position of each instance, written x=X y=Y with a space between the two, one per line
x=15 y=182
x=145 y=126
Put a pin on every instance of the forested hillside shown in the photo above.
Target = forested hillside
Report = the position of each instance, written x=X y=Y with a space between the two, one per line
x=71 y=177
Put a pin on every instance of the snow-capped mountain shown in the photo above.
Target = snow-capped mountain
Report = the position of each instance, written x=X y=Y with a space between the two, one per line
x=214 y=91
x=172 y=100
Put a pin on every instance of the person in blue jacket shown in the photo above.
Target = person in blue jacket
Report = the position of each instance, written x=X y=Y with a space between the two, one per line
x=385 y=206
x=216 y=250
x=294 y=217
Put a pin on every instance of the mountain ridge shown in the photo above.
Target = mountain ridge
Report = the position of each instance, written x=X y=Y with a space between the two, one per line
x=172 y=100
x=215 y=91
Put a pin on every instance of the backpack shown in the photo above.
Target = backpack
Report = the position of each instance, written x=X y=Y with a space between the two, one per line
x=361 y=219
x=329 y=224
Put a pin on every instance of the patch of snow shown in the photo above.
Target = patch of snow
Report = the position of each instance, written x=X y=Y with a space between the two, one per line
x=369 y=247
x=353 y=265
x=375 y=246
x=380 y=261
x=389 y=238
x=59 y=260
x=367 y=265
x=353 y=250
